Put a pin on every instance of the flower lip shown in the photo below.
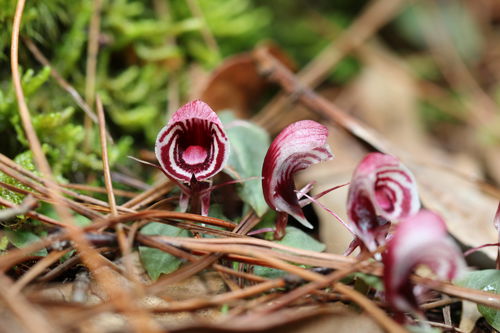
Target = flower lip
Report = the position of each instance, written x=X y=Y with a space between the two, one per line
x=192 y=144
x=382 y=190
x=298 y=146
x=194 y=154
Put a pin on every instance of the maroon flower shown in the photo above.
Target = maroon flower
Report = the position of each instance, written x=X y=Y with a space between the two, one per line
x=192 y=148
x=421 y=239
x=382 y=190
x=297 y=147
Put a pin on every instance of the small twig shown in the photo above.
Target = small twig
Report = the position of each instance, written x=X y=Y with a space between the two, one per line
x=376 y=14
x=60 y=80
x=120 y=234
x=277 y=72
x=476 y=296
x=29 y=203
x=96 y=189
x=149 y=195
x=35 y=215
x=440 y=303
x=90 y=256
x=105 y=160
x=192 y=304
x=90 y=70
x=441 y=325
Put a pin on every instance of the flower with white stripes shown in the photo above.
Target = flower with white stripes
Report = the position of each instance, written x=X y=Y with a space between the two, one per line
x=192 y=148
x=298 y=146
x=382 y=190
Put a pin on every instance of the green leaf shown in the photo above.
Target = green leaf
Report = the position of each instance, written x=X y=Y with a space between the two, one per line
x=25 y=160
x=299 y=239
x=249 y=144
x=157 y=262
x=485 y=280
x=23 y=238
x=372 y=281
x=294 y=238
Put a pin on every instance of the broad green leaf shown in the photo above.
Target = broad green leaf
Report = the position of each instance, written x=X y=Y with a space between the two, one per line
x=294 y=238
x=23 y=238
x=157 y=262
x=249 y=144
x=485 y=280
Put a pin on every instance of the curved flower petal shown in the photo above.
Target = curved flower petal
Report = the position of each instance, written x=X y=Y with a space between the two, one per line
x=193 y=144
x=298 y=146
x=382 y=190
x=421 y=239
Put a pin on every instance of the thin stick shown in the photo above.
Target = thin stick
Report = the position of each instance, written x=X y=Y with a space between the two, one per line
x=105 y=160
x=92 y=49
x=376 y=14
x=96 y=189
x=370 y=307
x=150 y=195
x=277 y=72
x=29 y=203
x=90 y=70
x=192 y=304
x=60 y=80
x=33 y=214
x=122 y=239
x=90 y=257
x=208 y=37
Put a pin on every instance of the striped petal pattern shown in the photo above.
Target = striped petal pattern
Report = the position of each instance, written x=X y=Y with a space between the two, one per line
x=421 y=239
x=193 y=144
x=382 y=190
x=298 y=146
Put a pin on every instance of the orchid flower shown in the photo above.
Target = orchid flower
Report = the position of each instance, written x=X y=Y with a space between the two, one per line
x=298 y=146
x=382 y=190
x=420 y=239
x=191 y=149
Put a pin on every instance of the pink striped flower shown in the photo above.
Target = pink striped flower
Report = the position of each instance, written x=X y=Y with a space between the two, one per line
x=382 y=190
x=192 y=148
x=421 y=239
x=298 y=146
